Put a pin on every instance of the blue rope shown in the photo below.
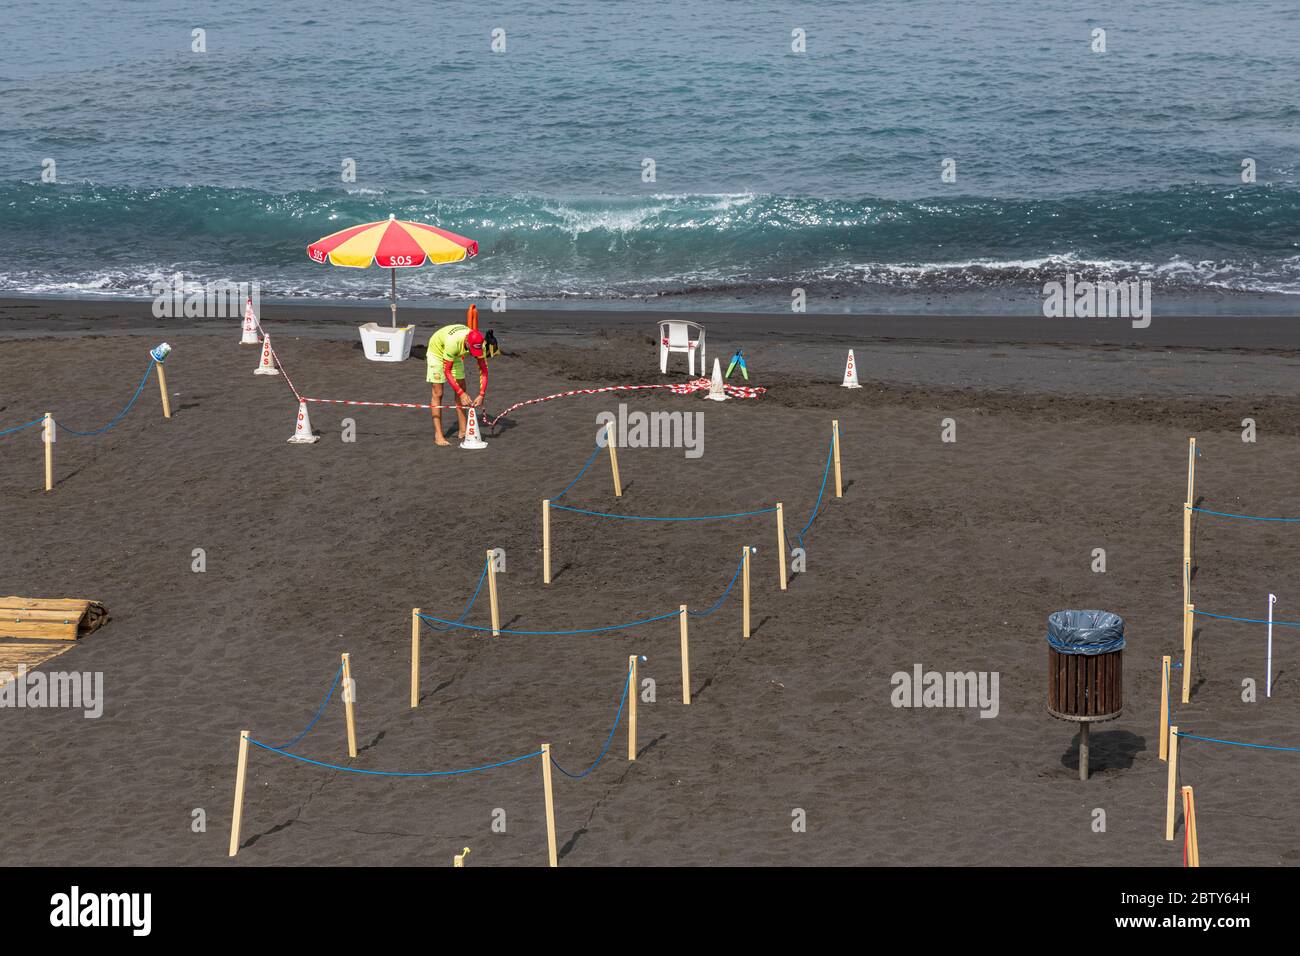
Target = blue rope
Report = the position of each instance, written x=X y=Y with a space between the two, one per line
x=393 y=773
x=121 y=414
x=608 y=740
x=473 y=598
x=1225 y=514
x=18 y=428
x=813 y=517
x=601 y=514
x=582 y=630
x=718 y=603
x=594 y=452
x=1247 y=620
x=320 y=710
x=1169 y=700
x=1238 y=743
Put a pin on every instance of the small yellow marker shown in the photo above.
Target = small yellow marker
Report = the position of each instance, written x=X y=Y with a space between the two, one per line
x=459 y=858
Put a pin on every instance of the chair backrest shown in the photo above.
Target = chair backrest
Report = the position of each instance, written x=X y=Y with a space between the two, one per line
x=678 y=334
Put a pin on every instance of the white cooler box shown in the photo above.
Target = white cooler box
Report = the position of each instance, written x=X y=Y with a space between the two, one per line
x=383 y=343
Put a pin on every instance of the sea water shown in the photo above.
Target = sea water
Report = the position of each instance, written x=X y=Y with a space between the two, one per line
x=141 y=140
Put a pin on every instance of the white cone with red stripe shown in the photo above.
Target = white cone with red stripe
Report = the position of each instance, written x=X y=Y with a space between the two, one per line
x=850 y=373
x=717 y=390
x=473 y=438
x=302 y=434
x=267 y=365
x=250 y=325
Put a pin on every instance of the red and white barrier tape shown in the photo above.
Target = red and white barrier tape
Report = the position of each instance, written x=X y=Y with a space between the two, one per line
x=348 y=401
x=682 y=388
x=278 y=364
x=678 y=388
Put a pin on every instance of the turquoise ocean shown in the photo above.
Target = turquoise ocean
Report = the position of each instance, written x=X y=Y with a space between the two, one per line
x=773 y=169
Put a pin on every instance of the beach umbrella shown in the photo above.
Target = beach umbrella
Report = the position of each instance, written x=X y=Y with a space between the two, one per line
x=391 y=244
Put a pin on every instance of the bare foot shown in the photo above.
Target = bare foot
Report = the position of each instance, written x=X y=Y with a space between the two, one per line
x=460 y=435
x=439 y=440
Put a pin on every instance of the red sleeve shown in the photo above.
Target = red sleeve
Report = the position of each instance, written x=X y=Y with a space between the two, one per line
x=446 y=373
x=482 y=376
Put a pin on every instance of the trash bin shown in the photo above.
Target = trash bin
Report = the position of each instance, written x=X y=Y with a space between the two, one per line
x=1085 y=670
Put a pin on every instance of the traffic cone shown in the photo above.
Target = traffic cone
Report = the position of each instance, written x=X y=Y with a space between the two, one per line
x=473 y=439
x=302 y=434
x=850 y=373
x=250 y=325
x=267 y=365
x=717 y=391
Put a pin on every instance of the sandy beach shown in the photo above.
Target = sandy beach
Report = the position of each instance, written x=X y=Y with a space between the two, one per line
x=1070 y=436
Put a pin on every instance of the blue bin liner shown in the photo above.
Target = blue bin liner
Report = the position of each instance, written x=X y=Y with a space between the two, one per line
x=1085 y=632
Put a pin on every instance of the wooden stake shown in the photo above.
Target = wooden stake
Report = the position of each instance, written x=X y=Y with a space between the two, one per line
x=631 y=707
x=546 y=540
x=492 y=594
x=1173 y=782
x=686 y=656
x=1188 y=611
x=835 y=440
x=162 y=388
x=1189 y=826
x=49 y=451
x=1164 y=707
x=550 y=806
x=1188 y=503
x=241 y=769
x=744 y=579
x=780 y=540
x=415 y=657
x=349 y=694
x=613 y=458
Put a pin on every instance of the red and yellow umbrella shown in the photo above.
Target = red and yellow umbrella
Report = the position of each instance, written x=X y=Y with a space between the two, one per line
x=392 y=244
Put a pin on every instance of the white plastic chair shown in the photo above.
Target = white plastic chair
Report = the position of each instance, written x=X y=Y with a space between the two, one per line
x=675 y=336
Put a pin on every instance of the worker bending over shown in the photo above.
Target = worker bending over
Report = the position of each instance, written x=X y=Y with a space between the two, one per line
x=446 y=358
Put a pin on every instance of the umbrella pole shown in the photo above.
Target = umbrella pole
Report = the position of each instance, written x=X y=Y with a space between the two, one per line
x=394 y=297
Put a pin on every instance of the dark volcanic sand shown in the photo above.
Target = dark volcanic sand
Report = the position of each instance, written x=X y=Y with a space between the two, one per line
x=948 y=555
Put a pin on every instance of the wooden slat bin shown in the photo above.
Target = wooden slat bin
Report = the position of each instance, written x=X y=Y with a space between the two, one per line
x=49 y=619
x=1083 y=687
x=1085 y=671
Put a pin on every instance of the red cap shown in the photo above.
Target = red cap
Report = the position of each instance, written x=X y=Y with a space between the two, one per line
x=475 y=342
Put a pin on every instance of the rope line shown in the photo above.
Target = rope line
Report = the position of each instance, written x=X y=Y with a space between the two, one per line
x=677 y=388
x=1238 y=743
x=686 y=388
x=1226 y=514
x=284 y=371
x=1248 y=620
x=718 y=603
x=608 y=740
x=821 y=491
x=18 y=428
x=320 y=710
x=465 y=613
x=284 y=752
x=393 y=773
x=595 y=451
x=278 y=364
x=347 y=401
x=582 y=630
x=120 y=415
x=602 y=514
x=458 y=623
x=98 y=431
